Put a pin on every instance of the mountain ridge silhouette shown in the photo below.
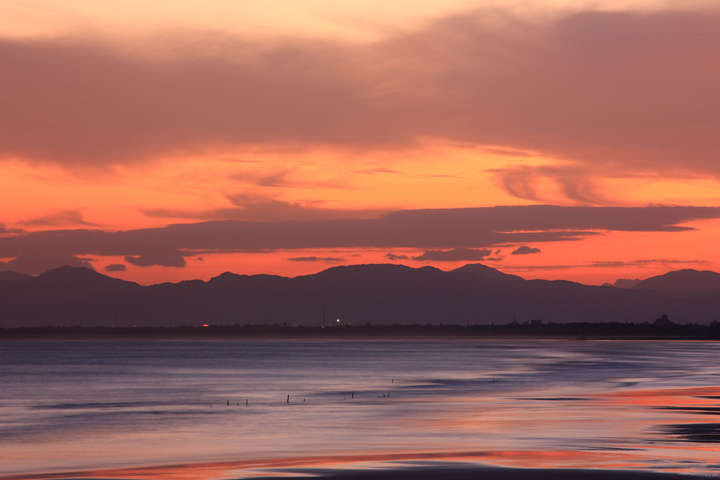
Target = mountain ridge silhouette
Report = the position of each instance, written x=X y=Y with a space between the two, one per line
x=381 y=294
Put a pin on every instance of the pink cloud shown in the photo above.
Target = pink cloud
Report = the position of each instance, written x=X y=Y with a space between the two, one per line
x=625 y=91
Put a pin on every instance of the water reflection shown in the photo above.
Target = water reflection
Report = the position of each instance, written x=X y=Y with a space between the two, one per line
x=223 y=409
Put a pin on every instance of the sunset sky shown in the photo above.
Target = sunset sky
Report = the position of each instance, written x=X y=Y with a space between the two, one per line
x=163 y=141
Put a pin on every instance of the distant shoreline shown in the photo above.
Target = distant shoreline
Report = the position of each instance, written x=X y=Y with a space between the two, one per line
x=577 y=331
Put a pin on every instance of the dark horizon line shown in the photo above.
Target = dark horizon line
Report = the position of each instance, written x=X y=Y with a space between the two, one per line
x=662 y=328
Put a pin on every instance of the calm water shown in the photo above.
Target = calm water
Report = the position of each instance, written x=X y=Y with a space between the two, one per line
x=73 y=406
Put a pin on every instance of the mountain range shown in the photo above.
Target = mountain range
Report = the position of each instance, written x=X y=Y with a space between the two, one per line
x=357 y=295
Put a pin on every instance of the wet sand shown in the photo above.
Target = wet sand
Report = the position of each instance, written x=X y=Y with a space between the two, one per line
x=450 y=472
x=423 y=471
x=382 y=466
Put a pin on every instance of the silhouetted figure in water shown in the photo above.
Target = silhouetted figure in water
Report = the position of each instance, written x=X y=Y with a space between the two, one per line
x=246 y=402
x=352 y=394
x=228 y=403
x=288 y=400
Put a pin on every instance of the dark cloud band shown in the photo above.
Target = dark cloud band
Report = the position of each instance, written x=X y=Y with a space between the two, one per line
x=525 y=250
x=465 y=228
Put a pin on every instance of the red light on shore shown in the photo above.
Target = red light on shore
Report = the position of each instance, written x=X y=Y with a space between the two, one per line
x=205 y=325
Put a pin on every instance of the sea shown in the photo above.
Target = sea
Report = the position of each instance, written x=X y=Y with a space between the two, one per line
x=201 y=409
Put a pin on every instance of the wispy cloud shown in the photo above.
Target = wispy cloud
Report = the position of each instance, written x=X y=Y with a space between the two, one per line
x=574 y=183
x=252 y=207
x=61 y=218
x=609 y=264
x=454 y=255
x=313 y=258
x=394 y=257
x=5 y=230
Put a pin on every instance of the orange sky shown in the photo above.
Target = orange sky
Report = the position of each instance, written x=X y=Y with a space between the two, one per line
x=125 y=116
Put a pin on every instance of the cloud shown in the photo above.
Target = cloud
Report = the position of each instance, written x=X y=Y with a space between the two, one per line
x=610 y=264
x=274 y=179
x=4 y=230
x=40 y=262
x=317 y=259
x=549 y=219
x=371 y=171
x=575 y=183
x=115 y=267
x=264 y=179
x=483 y=227
x=159 y=257
x=629 y=90
x=454 y=255
x=284 y=178
x=392 y=256
x=650 y=261
x=525 y=250
x=59 y=219
x=261 y=208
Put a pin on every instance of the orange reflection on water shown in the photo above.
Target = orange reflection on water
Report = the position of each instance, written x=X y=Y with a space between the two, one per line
x=216 y=470
x=663 y=397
